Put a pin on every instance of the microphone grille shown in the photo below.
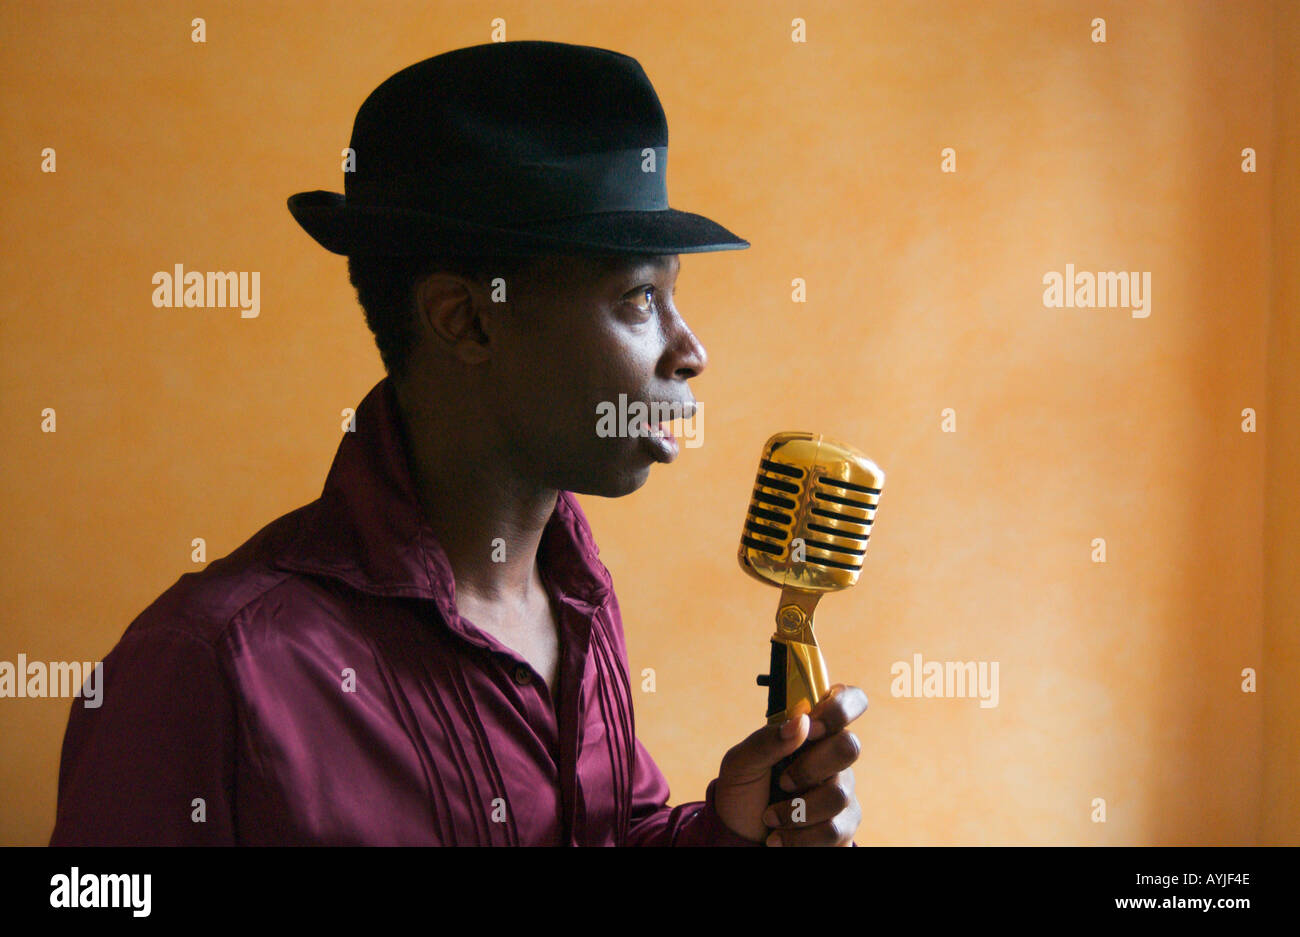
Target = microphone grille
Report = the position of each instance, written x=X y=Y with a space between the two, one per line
x=810 y=513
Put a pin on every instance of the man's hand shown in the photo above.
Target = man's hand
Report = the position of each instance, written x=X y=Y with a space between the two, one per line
x=821 y=776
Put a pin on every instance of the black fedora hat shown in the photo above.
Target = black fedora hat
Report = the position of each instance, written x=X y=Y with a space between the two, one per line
x=519 y=147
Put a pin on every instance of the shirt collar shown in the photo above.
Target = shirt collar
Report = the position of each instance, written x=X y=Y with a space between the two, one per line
x=367 y=527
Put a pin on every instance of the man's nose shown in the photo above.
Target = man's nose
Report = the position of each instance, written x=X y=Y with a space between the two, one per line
x=686 y=354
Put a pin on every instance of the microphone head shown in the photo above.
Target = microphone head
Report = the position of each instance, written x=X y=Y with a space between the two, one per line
x=811 y=513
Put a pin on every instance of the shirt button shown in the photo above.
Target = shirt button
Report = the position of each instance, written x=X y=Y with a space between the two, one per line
x=522 y=676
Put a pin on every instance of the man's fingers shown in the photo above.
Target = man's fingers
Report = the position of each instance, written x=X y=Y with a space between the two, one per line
x=837 y=710
x=821 y=761
x=755 y=755
x=823 y=802
x=836 y=830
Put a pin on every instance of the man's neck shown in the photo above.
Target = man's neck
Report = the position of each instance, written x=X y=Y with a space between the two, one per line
x=486 y=519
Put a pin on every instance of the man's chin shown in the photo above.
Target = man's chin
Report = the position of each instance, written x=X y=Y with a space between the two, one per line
x=616 y=484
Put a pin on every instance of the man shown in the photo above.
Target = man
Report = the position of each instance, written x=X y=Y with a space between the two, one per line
x=432 y=652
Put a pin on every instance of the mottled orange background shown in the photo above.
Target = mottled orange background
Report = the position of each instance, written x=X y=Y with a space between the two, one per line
x=1119 y=680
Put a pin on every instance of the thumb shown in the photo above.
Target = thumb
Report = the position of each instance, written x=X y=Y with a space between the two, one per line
x=752 y=759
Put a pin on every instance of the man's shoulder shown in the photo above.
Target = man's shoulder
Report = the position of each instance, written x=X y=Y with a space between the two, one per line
x=203 y=604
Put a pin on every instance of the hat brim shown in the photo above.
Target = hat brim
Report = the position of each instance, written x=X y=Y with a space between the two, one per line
x=344 y=228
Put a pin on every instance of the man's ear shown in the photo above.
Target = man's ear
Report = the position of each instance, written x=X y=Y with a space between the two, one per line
x=450 y=307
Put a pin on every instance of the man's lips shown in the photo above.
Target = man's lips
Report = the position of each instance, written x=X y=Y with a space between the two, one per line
x=680 y=411
x=676 y=411
x=659 y=437
x=662 y=444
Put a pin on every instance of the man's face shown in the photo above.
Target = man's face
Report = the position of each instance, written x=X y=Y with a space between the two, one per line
x=577 y=334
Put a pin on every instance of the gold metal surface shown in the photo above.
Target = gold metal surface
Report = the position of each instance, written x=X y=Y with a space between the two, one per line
x=805 y=679
x=806 y=531
x=812 y=507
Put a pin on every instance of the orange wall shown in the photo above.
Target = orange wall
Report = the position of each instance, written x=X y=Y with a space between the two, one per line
x=1118 y=680
x=1280 y=817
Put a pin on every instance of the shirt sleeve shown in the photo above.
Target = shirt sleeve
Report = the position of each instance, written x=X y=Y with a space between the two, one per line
x=153 y=764
x=654 y=823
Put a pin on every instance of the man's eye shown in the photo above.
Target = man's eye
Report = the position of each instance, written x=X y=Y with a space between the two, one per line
x=646 y=297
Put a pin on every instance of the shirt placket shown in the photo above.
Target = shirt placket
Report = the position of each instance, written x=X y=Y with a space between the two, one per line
x=558 y=724
x=575 y=624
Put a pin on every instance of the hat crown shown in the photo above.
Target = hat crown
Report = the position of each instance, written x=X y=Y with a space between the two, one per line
x=504 y=104
x=512 y=147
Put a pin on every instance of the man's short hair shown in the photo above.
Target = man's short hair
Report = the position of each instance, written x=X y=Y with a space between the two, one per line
x=386 y=291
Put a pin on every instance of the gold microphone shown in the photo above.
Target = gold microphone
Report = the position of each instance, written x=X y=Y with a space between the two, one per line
x=806 y=531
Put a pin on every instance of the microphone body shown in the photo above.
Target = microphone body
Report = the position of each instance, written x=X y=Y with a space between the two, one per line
x=806 y=531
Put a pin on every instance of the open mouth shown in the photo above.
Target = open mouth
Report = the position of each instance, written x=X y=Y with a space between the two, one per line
x=666 y=429
x=660 y=440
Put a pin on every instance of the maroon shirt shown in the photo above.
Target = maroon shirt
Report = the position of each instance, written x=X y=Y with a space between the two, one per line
x=317 y=686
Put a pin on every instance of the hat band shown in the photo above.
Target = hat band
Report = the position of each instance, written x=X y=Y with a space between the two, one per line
x=529 y=191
